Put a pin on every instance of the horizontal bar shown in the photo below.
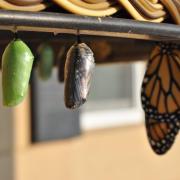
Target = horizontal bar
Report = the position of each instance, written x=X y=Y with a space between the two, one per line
x=69 y=23
x=121 y=50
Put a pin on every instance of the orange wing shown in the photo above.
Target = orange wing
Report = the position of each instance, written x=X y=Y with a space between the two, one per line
x=160 y=96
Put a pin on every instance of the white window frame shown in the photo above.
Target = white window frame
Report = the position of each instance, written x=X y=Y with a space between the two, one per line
x=118 y=117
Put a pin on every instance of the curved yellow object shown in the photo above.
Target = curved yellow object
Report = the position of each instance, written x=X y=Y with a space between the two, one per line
x=172 y=10
x=135 y=14
x=66 y=4
x=154 y=1
x=177 y=4
x=24 y=2
x=151 y=6
x=97 y=6
x=5 y=5
x=95 y=1
x=149 y=13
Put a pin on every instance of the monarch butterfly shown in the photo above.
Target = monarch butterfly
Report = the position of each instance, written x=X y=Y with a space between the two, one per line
x=79 y=67
x=160 y=96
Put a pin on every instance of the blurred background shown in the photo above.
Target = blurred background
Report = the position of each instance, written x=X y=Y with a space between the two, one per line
x=103 y=140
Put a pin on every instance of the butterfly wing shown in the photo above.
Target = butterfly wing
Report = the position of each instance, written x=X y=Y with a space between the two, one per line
x=160 y=97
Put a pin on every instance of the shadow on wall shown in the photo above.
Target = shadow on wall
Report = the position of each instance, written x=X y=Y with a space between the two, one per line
x=6 y=140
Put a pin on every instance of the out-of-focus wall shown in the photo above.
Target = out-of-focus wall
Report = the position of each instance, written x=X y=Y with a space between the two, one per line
x=111 y=154
x=14 y=135
x=6 y=140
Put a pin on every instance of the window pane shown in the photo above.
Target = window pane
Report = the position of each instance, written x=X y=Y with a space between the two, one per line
x=51 y=120
x=111 y=88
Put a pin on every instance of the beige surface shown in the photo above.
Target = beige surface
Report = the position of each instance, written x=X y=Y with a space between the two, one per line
x=113 y=154
x=14 y=135
x=6 y=130
x=6 y=167
x=6 y=141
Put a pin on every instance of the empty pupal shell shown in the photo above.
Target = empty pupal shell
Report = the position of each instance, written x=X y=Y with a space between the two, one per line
x=78 y=73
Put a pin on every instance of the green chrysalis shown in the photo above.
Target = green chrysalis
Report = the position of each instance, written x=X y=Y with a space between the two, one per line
x=17 y=61
x=46 y=61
